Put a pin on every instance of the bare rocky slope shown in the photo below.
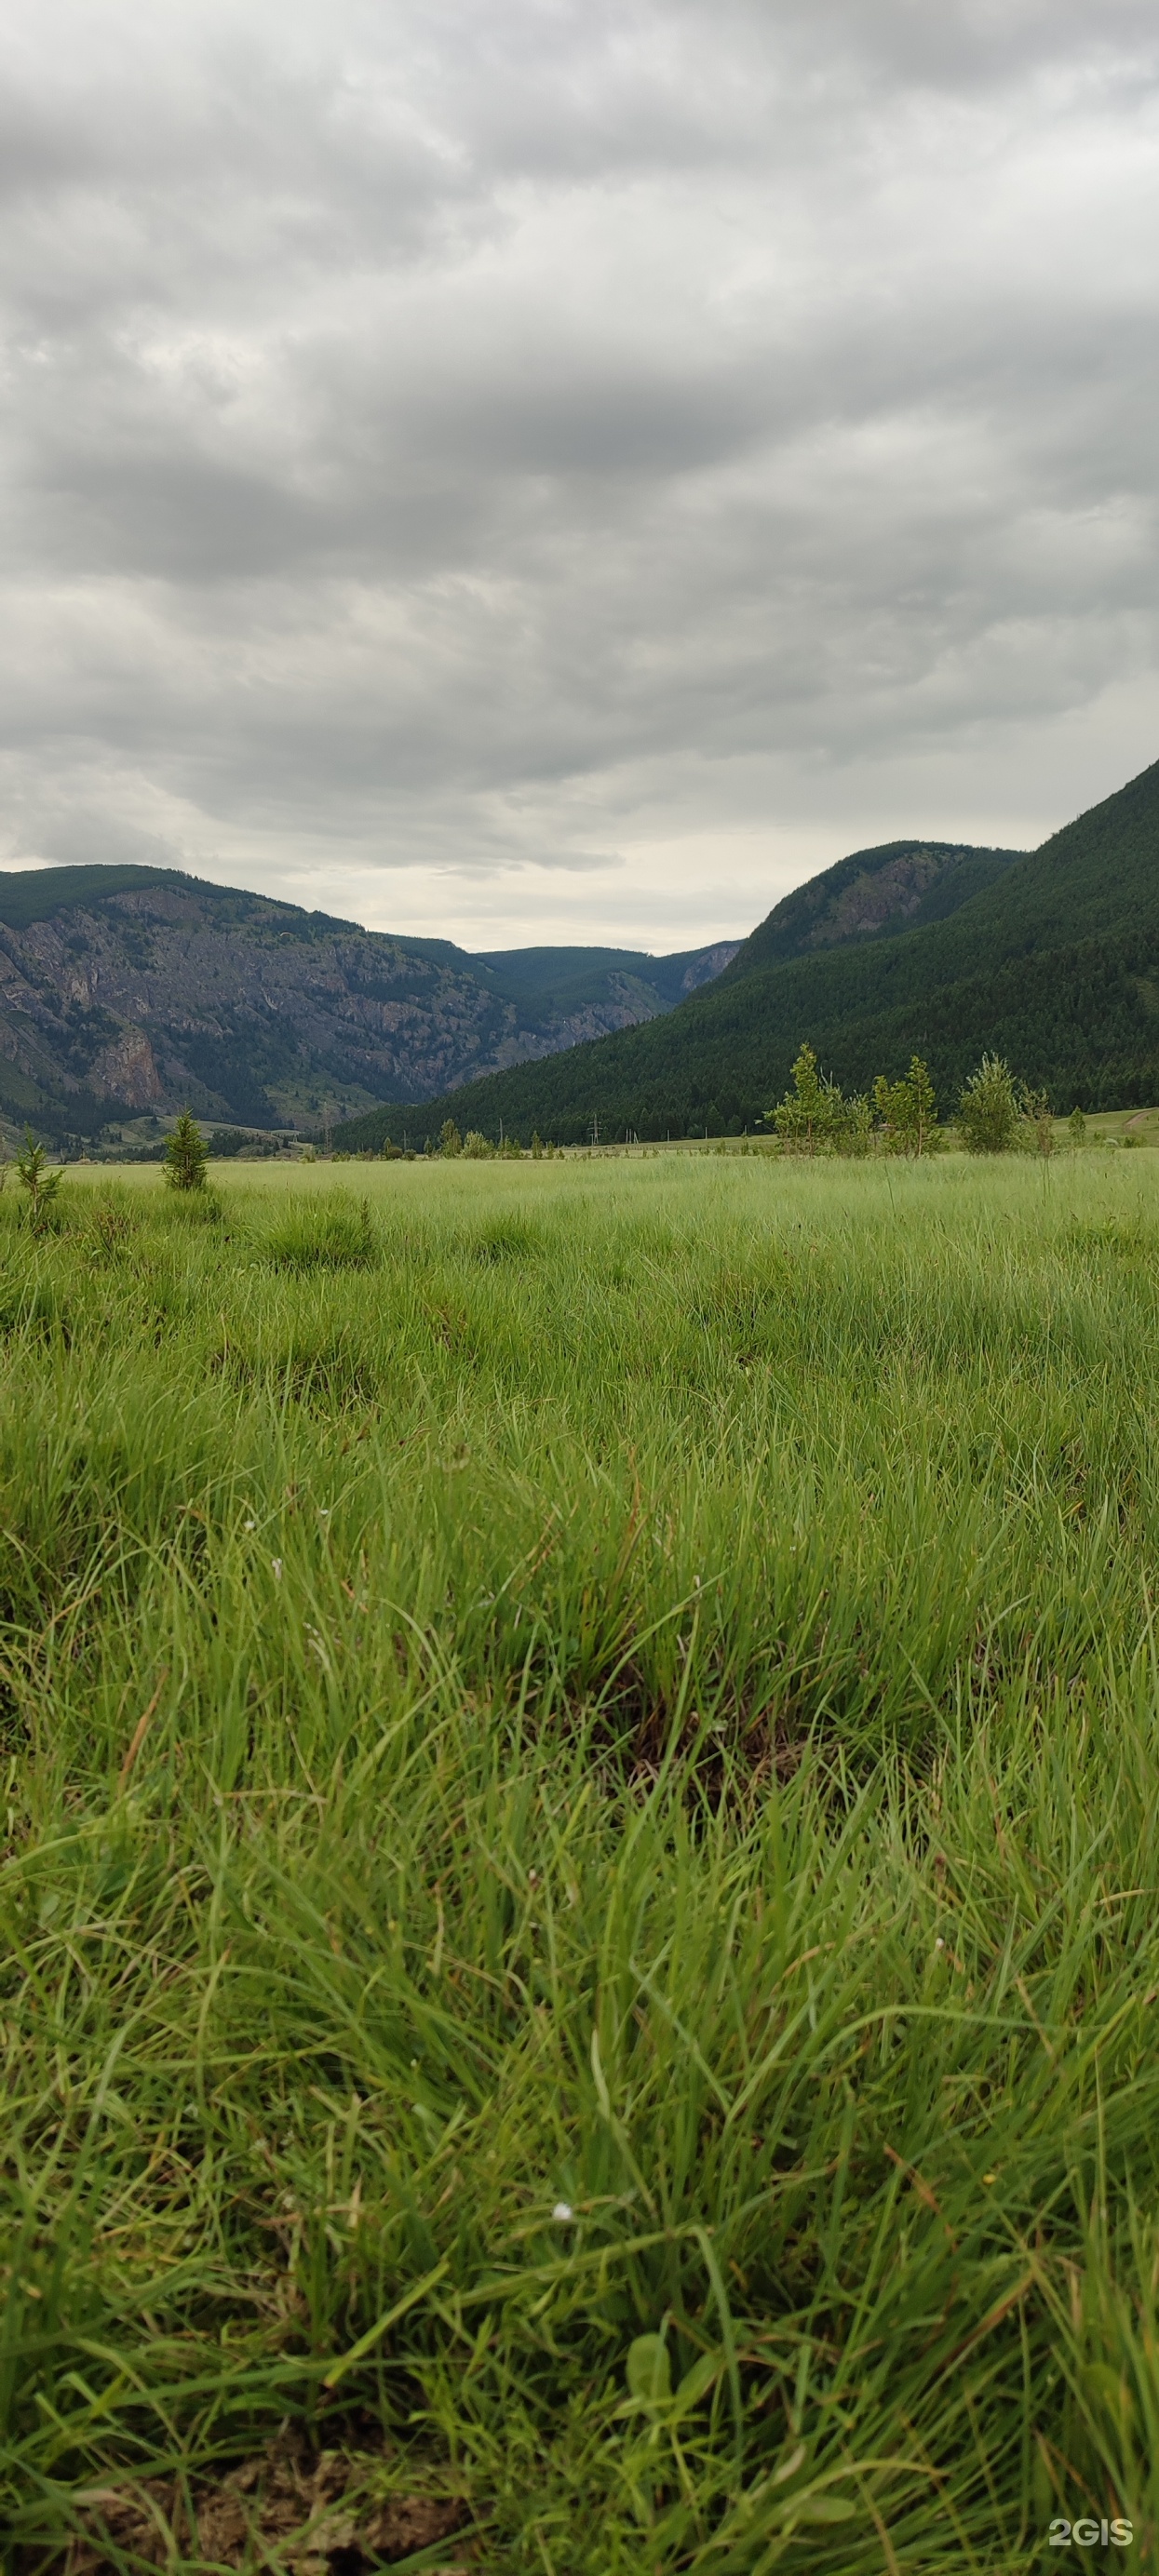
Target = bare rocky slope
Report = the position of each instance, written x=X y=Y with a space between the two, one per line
x=128 y=989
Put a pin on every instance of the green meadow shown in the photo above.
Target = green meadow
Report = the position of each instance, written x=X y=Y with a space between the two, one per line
x=580 y=1890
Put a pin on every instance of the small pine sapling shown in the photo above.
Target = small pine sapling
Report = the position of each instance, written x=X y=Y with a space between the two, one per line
x=804 y=1119
x=41 y=1185
x=988 y=1109
x=186 y=1155
x=1038 y=1121
x=890 y=1104
x=815 y=1117
x=923 y=1105
x=1076 y=1126
x=907 y=1111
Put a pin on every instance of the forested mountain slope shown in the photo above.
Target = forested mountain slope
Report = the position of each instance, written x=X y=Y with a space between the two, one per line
x=1053 y=962
x=129 y=989
x=873 y=894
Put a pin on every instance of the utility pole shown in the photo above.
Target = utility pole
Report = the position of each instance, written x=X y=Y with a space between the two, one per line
x=595 y=1126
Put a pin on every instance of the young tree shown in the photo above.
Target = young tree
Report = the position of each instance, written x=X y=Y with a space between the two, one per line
x=803 y=1118
x=1037 y=1121
x=889 y=1106
x=186 y=1155
x=815 y=1117
x=1077 y=1126
x=478 y=1148
x=923 y=1107
x=988 y=1109
x=536 y=1146
x=907 y=1110
x=450 y=1141
x=854 y=1125
x=41 y=1184
x=806 y=1117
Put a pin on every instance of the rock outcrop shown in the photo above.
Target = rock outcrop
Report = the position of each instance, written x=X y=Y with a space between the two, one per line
x=143 y=989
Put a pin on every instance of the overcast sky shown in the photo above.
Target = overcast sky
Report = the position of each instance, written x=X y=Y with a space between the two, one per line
x=572 y=468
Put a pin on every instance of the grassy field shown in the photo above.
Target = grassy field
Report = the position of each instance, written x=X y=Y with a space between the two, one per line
x=581 y=1852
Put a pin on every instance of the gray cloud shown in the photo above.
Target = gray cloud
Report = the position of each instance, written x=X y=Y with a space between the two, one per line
x=445 y=446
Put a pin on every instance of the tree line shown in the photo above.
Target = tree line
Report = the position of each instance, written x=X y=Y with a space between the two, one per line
x=995 y=1113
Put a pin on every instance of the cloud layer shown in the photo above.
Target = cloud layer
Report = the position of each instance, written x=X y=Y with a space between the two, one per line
x=563 y=469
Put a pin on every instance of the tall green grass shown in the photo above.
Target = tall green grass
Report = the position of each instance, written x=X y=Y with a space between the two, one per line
x=579 y=1762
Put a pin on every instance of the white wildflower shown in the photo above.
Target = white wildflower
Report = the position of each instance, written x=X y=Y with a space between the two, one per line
x=563 y=2211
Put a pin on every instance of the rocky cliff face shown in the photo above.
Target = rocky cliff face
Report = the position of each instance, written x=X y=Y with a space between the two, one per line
x=873 y=893
x=889 y=894
x=153 y=994
x=710 y=962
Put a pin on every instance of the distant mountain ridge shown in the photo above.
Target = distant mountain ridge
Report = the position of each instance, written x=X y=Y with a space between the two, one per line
x=1049 y=957
x=125 y=989
x=873 y=894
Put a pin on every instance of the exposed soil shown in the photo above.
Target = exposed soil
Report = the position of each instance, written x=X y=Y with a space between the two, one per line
x=288 y=2508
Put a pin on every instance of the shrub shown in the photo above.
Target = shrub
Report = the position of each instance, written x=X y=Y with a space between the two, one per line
x=816 y=1118
x=907 y=1111
x=988 y=1109
x=1038 y=1124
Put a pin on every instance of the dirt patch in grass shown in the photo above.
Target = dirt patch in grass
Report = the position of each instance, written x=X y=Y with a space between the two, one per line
x=311 y=2514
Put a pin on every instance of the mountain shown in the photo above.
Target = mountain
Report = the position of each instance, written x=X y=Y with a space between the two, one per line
x=872 y=895
x=1049 y=957
x=128 y=989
